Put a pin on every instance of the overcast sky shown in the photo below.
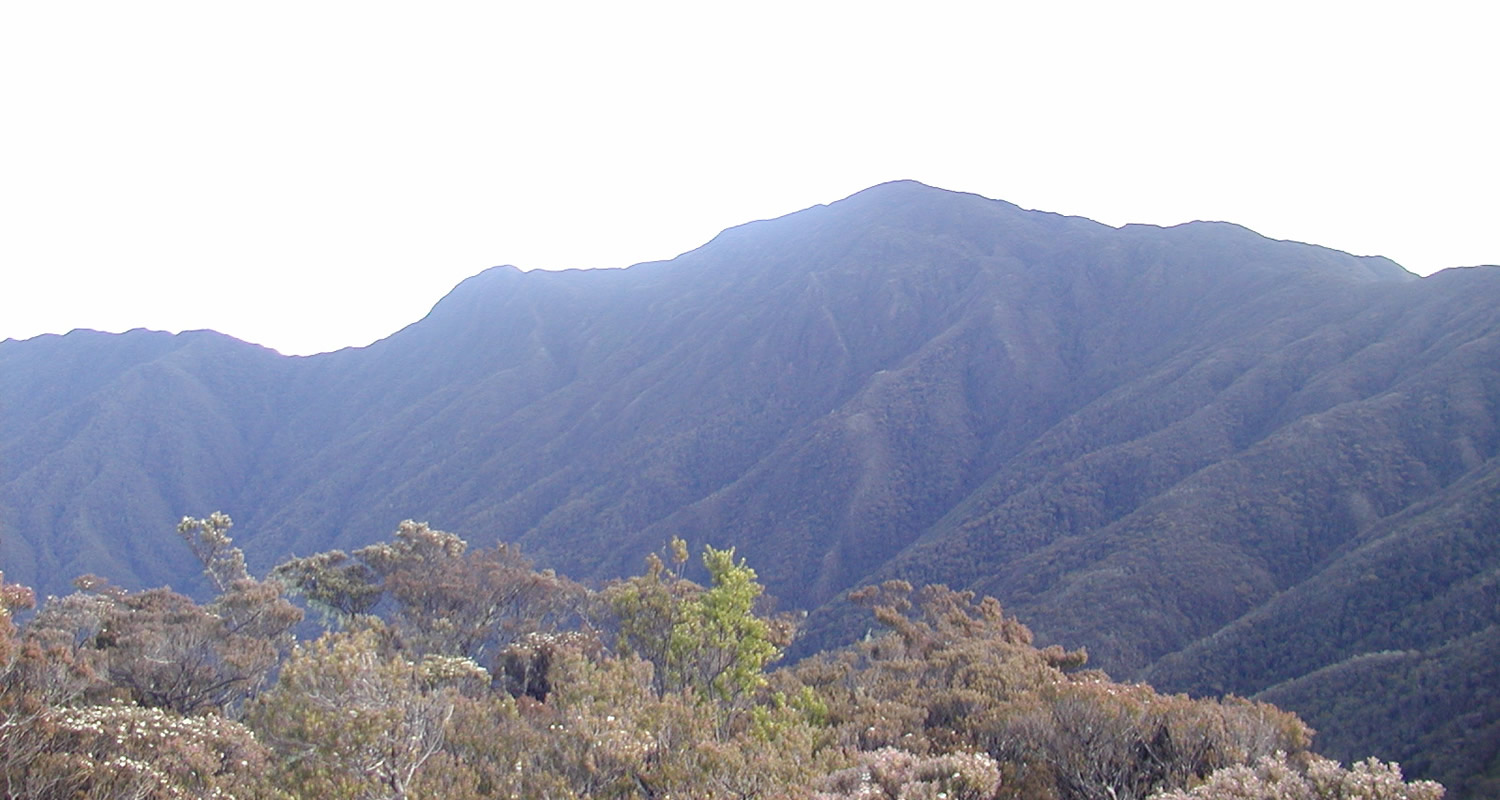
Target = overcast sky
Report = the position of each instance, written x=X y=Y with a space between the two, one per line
x=311 y=175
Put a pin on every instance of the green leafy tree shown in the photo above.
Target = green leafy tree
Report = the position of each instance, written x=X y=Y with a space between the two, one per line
x=709 y=641
x=647 y=612
x=725 y=645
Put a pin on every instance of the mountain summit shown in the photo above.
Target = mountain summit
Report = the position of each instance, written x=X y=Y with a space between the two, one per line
x=1221 y=461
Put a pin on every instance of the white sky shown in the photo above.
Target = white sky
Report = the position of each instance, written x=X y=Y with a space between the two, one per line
x=309 y=175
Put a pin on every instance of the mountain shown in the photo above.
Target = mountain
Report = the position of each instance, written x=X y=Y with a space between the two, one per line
x=1218 y=461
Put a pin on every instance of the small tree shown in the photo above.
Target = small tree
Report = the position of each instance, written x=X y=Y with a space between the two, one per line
x=707 y=641
x=437 y=594
x=162 y=649
x=349 y=722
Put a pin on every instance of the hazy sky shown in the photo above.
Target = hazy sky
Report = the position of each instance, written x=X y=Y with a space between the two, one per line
x=309 y=175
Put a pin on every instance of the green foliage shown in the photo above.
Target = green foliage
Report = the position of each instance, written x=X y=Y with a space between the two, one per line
x=108 y=693
x=708 y=641
x=727 y=645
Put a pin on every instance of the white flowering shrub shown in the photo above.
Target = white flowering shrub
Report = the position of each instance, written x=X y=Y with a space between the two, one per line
x=1275 y=778
x=126 y=751
x=891 y=774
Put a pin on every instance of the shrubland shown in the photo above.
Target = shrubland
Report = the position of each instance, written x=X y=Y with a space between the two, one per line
x=429 y=668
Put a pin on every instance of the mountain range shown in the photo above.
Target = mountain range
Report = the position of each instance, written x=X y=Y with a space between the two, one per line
x=1222 y=463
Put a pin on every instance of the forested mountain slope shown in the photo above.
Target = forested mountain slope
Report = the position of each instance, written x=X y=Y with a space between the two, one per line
x=1192 y=450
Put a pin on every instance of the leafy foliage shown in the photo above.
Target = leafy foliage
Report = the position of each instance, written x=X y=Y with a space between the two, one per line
x=707 y=641
x=111 y=694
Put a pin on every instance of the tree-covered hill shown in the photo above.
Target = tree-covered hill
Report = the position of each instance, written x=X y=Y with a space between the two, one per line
x=1181 y=448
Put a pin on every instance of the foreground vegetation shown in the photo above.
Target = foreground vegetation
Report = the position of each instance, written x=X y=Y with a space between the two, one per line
x=427 y=668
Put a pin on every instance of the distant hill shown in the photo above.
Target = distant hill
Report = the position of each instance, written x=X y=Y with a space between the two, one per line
x=1218 y=461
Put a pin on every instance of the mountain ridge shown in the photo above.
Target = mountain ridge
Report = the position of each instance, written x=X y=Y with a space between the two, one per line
x=1138 y=438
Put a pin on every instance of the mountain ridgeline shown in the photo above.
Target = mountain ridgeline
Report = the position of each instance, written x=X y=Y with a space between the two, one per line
x=1219 y=462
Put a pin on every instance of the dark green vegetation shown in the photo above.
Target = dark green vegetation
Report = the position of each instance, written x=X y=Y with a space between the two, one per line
x=452 y=672
x=1218 y=462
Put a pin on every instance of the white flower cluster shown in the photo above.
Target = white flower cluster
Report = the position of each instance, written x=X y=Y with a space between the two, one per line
x=1272 y=778
x=451 y=669
x=125 y=746
x=127 y=721
x=891 y=774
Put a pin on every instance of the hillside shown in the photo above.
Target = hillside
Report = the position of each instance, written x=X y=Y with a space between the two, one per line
x=1192 y=450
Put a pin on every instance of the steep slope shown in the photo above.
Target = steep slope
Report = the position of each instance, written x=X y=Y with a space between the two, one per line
x=1175 y=504
x=109 y=439
x=1435 y=710
x=1391 y=649
x=1186 y=449
x=822 y=388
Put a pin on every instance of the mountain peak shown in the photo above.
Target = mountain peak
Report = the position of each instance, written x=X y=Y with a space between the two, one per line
x=1133 y=437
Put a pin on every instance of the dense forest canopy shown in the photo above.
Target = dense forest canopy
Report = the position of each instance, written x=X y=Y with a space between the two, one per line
x=430 y=668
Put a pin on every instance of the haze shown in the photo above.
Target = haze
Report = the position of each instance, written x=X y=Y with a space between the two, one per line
x=313 y=176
